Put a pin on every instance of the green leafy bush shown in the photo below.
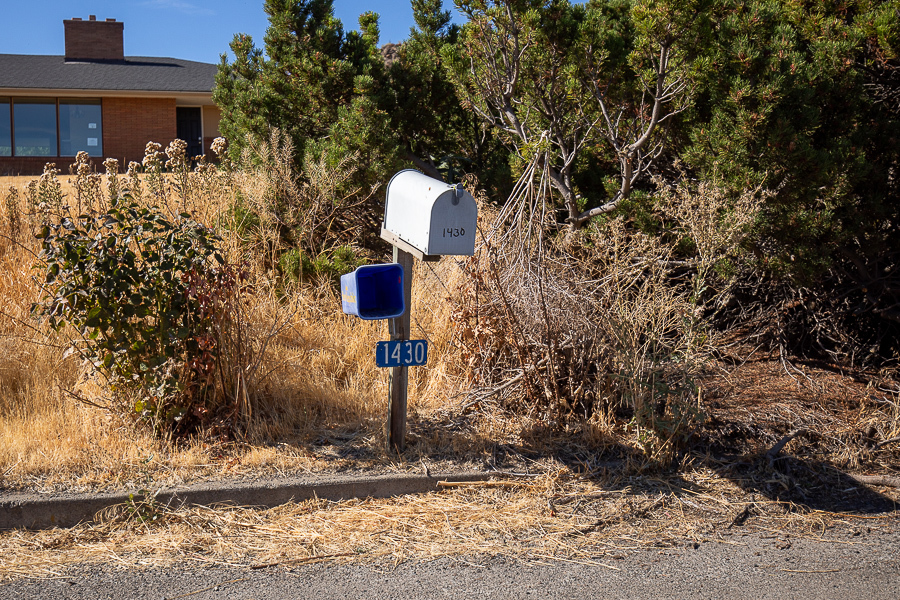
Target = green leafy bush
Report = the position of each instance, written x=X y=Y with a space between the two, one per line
x=148 y=297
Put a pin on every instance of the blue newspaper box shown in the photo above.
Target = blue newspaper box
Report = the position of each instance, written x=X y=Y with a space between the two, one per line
x=374 y=292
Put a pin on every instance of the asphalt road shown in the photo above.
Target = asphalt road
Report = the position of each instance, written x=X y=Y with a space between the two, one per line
x=854 y=563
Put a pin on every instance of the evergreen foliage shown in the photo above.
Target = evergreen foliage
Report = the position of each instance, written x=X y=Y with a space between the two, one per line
x=315 y=82
x=781 y=102
x=796 y=97
x=334 y=93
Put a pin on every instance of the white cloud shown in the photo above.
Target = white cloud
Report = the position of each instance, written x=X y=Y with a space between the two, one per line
x=180 y=6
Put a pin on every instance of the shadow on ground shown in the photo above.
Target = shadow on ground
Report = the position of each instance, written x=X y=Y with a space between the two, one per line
x=804 y=484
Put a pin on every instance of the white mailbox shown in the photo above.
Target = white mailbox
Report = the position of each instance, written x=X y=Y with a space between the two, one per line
x=429 y=218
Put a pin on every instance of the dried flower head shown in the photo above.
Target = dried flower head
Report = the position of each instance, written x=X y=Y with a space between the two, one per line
x=177 y=149
x=153 y=156
x=177 y=153
x=219 y=146
x=201 y=165
x=112 y=166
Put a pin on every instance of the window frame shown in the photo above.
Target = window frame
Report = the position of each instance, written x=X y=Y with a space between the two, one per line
x=7 y=100
x=56 y=101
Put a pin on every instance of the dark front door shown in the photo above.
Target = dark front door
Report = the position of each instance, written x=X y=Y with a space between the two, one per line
x=190 y=129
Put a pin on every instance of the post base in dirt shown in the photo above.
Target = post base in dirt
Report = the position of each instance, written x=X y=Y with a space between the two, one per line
x=400 y=375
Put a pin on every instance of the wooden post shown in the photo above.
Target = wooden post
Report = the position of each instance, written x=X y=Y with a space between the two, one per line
x=400 y=375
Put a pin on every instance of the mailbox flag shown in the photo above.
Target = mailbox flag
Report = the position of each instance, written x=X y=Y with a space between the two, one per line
x=374 y=292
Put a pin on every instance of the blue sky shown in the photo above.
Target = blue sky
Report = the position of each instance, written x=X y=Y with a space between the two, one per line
x=190 y=29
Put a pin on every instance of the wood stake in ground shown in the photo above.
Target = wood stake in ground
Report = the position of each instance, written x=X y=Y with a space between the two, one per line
x=400 y=375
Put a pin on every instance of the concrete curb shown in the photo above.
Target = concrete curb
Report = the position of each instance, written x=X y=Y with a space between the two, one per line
x=35 y=511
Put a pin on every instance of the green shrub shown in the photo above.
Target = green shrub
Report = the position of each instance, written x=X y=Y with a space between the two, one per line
x=295 y=265
x=148 y=298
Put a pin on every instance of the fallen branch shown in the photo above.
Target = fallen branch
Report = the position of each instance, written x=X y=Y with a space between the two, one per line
x=775 y=450
x=886 y=442
x=452 y=484
x=295 y=561
x=885 y=480
x=539 y=366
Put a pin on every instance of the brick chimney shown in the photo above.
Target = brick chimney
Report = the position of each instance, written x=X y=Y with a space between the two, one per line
x=94 y=40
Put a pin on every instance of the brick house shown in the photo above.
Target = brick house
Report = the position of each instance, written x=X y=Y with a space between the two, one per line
x=98 y=100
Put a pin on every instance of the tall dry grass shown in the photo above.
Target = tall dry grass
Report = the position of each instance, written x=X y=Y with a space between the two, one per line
x=539 y=335
x=43 y=433
x=317 y=374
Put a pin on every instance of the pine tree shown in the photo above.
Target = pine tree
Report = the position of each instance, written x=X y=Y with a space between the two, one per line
x=320 y=85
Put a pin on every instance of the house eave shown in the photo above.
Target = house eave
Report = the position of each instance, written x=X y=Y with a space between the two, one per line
x=181 y=97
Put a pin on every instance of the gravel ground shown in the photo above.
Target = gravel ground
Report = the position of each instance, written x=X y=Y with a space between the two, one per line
x=858 y=562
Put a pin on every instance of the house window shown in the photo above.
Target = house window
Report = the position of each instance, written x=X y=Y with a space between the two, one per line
x=5 y=128
x=34 y=127
x=80 y=127
x=50 y=127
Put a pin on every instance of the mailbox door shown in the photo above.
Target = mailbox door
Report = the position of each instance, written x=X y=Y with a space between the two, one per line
x=374 y=292
x=454 y=218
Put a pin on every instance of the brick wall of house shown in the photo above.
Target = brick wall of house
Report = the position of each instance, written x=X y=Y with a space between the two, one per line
x=129 y=123
x=33 y=165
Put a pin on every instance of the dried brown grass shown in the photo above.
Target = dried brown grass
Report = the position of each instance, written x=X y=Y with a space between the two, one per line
x=554 y=517
x=318 y=377
x=605 y=323
x=322 y=402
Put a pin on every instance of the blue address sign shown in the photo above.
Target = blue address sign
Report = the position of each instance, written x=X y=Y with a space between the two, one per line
x=401 y=353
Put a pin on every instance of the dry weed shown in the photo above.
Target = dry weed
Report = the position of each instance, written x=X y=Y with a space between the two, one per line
x=314 y=212
x=600 y=322
x=603 y=336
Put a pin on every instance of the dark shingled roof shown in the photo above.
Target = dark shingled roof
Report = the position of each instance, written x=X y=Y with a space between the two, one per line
x=135 y=73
